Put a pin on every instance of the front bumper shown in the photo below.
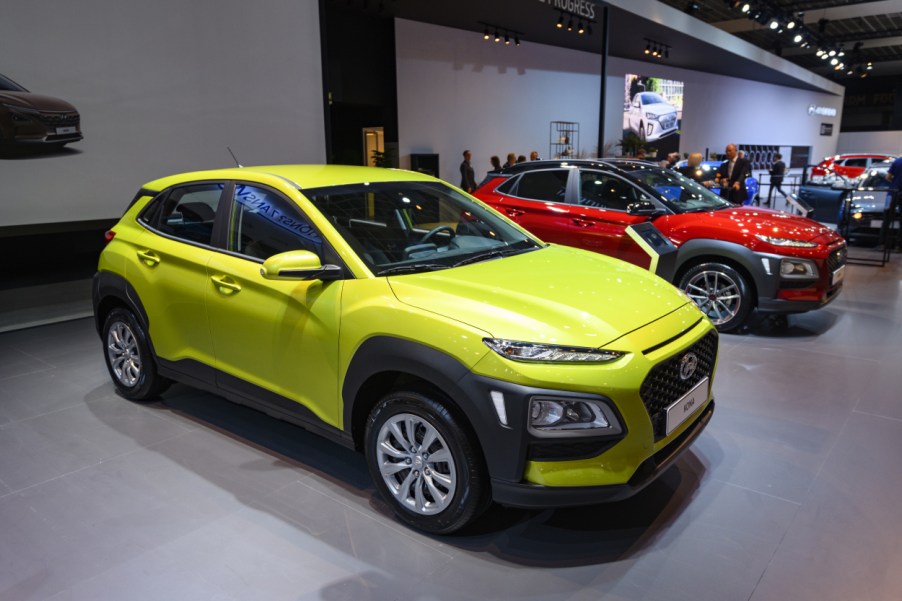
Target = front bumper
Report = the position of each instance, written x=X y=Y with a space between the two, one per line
x=527 y=495
x=777 y=295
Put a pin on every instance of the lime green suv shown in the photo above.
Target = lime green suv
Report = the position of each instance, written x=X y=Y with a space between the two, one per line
x=391 y=312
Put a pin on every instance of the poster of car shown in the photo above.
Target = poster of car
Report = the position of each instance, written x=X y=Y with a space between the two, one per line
x=653 y=113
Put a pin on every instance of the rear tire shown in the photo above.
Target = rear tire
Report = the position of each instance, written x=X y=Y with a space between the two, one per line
x=721 y=292
x=424 y=463
x=128 y=357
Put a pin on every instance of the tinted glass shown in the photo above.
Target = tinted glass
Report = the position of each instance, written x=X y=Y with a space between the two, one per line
x=649 y=98
x=874 y=179
x=856 y=162
x=605 y=191
x=9 y=85
x=407 y=227
x=187 y=212
x=681 y=194
x=549 y=185
x=264 y=223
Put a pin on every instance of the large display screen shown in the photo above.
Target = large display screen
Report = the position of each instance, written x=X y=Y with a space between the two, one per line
x=652 y=114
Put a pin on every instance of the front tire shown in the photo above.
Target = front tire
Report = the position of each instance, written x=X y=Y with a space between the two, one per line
x=128 y=357
x=721 y=292
x=424 y=463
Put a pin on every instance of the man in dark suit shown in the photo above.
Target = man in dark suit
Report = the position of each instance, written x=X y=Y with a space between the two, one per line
x=731 y=176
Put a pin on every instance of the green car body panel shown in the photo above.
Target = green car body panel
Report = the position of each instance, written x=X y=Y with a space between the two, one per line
x=299 y=339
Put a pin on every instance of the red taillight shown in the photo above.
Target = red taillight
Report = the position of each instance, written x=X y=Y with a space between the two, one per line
x=108 y=236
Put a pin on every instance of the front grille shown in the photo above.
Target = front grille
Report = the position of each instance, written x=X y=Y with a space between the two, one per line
x=59 y=118
x=663 y=386
x=668 y=121
x=836 y=259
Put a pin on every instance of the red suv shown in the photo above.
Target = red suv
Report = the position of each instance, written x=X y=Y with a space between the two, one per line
x=729 y=260
x=847 y=165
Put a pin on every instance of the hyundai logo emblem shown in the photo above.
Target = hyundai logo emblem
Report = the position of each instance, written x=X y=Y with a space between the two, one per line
x=688 y=365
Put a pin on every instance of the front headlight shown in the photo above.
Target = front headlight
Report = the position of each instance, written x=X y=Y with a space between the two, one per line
x=797 y=268
x=652 y=116
x=549 y=353
x=786 y=242
x=555 y=417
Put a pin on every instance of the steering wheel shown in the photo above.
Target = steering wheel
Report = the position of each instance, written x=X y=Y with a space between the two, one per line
x=428 y=235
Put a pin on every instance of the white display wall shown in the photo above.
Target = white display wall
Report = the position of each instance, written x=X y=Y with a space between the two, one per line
x=889 y=142
x=162 y=87
x=457 y=91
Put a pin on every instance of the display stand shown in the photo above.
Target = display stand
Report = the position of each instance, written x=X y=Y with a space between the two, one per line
x=890 y=235
x=563 y=140
x=657 y=246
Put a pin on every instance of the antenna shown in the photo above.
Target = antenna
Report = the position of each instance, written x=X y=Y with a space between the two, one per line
x=234 y=157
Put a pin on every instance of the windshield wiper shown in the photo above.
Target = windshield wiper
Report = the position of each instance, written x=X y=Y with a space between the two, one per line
x=417 y=267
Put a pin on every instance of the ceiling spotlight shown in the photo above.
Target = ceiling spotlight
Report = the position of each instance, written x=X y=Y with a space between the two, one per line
x=581 y=29
x=870 y=66
x=834 y=60
x=841 y=52
x=825 y=56
x=791 y=24
x=560 y=21
x=746 y=7
x=516 y=40
x=798 y=39
x=648 y=48
x=832 y=52
x=497 y=36
x=774 y=24
x=819 y=52
x=507 y=39
x=485 y=34
x=570 y=24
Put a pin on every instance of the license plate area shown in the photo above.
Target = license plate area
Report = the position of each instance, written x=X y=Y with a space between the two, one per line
x=65 y=130
x=679 y=411
x=837 y=276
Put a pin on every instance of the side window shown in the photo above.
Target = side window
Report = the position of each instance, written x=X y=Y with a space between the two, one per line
x=605 y=191
x=265 y=223
x=550 y=185
x=863 y=162
x=187 y=212
x=508 y=186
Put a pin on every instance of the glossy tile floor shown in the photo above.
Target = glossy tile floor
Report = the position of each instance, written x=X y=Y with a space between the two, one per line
x=792 y=494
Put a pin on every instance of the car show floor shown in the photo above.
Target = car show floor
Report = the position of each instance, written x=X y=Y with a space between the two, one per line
x=791 y=493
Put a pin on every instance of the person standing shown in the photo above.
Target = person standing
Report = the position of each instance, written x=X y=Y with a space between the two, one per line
x=731 y=176
x=777 y=171
x=496 y=163
x=467 y=175
x=511 y=160
x=534 y=156
x=693 y=170
x=894 y=177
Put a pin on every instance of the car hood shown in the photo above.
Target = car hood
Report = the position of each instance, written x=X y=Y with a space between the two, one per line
x=869 y=201
x=659 y=108
x=744 y=223
x=555 y=295
x=35 y=101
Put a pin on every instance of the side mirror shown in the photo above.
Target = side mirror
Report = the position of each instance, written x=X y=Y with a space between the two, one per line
x=298 y=265
x=643 y=207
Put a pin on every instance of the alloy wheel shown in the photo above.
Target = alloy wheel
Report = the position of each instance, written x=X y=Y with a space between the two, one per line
x=716 y=294
x=122 y=350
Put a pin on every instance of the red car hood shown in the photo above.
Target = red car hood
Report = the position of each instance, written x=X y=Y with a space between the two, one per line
x=35 y=101
x=743 y=223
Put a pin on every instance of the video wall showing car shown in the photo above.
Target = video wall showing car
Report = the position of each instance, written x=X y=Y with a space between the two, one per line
x=652 y=114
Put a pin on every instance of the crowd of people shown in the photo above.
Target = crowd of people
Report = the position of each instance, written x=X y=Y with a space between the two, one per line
x=468 y=174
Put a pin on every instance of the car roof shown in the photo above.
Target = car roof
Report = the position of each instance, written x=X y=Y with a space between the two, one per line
x=300 y=176
x=608 y=163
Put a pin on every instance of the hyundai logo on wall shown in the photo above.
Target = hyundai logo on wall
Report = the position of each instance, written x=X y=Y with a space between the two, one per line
x=823 y=111
x=688 y=365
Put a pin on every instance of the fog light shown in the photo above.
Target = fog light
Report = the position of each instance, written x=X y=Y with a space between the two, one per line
x=856 y=215
x=550 y=417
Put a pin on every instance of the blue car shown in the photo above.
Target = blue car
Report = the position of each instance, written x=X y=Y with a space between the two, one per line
x=710 y=167
x=869 y=201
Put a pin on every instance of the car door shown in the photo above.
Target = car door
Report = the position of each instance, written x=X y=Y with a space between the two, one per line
x=600 y=218
x=278 y=335
x=537 y=200
x=169 y=269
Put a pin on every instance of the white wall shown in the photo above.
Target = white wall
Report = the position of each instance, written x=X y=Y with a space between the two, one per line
x=458 y=91
x=888 y=142
x=162 y=87
x=718 y=110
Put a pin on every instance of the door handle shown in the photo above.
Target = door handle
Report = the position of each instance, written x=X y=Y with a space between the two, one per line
x=225 y=284
x=149 y=258
x=582 y=222
x=514 y=212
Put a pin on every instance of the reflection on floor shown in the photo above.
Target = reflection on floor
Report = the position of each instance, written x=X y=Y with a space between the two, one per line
x=791 y=494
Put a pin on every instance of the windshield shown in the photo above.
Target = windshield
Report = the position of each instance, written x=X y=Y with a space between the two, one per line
x=8 y=85
x=410 y=227
x=649 y=98
x=681 y=194
x=875 y=180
